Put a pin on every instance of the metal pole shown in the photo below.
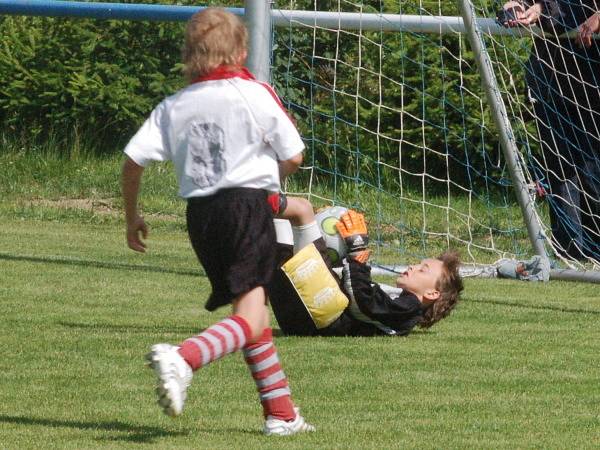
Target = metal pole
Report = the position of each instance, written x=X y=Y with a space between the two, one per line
x=507 y=138
x=589 y=276
x=279 y=17
x=258 y=21
x=96 y=10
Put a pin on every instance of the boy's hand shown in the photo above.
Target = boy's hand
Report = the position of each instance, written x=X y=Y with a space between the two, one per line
x=353 y=229
x=134 y=229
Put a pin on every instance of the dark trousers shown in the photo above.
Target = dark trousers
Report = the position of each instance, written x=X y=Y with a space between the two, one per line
x=290 y=313
x=289 y=310
x=566 y=96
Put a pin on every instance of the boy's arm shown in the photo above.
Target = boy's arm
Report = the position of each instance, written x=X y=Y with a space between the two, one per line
x=280 y=132
x=290 y=166
x=130 y=184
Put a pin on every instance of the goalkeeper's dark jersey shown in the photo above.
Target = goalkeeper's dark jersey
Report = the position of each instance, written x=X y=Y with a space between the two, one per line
x=371 y=311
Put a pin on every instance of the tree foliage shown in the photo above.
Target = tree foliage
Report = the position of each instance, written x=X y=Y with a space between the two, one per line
x=97 y=77
x=397 y=98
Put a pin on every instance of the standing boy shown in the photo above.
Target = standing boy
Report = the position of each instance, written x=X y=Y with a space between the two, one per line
x=230 y=141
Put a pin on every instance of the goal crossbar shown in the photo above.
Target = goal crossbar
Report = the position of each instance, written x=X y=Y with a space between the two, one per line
x=279 y=17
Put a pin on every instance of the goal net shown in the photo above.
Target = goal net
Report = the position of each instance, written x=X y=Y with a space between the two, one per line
x=390 y=103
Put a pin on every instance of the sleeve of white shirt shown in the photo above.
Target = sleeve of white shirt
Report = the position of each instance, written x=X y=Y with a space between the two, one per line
x=149 y=143
x=279 y=130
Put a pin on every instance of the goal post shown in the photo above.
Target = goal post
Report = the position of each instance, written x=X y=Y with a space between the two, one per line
x=414 y=113
x=504 y=127
x=511 y=152
x=257 y=14
x=490 y=207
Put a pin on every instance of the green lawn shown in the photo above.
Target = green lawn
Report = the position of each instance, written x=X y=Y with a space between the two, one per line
x=516 y=365
x=40 y=184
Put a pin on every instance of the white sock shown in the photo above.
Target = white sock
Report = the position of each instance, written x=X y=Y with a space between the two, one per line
x=283 y=230
x=305 y=235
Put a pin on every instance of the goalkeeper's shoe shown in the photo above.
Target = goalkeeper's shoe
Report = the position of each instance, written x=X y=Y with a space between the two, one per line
x=278 y=427
x=174 y=377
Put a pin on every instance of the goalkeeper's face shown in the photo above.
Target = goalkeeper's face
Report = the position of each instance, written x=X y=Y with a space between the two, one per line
x=421 y=279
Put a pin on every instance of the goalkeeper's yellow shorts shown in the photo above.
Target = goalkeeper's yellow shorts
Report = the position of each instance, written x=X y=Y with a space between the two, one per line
x=316 y=286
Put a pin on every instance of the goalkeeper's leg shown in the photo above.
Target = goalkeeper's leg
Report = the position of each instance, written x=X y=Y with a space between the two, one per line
x=290 y=312
x=301 y=215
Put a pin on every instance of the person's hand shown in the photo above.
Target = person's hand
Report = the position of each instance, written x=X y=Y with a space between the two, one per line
x=587 y=29
x=135 y=228
x=353 y=229
x=516 y=14
x=507 y=16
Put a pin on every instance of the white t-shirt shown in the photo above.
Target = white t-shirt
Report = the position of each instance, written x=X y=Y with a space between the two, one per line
x=219 y=134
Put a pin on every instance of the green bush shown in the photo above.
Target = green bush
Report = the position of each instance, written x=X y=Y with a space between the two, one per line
x=99 y=78
x=73 y=79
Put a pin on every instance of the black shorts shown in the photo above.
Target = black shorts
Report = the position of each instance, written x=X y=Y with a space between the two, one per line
x=233 y=235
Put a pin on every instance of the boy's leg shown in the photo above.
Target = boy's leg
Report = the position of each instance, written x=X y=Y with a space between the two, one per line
x=218 y=340
x=174 y=365
x=290 y=312
x=299 y=212
x=229 y=335
x=251 y=315
x=262 y=360
x=281 y=417
x=305 y=234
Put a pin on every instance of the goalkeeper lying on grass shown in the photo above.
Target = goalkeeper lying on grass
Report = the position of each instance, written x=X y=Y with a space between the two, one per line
x=309 y=298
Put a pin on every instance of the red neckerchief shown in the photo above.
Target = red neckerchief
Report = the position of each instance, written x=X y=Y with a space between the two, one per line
x=224 y=72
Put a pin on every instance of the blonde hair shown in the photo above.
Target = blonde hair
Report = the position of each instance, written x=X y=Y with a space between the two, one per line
x=213 y=37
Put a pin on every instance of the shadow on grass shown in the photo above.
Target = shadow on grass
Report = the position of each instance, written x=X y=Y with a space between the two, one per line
x=415 y=331
x=151 y=329
x=98 y=264
x=132 y=433
x=560 y=309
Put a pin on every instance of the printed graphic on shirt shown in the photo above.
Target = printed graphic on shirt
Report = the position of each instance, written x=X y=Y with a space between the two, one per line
x=206 y=143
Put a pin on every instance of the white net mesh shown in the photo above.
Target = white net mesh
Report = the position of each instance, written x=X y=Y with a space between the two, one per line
x=398 y=126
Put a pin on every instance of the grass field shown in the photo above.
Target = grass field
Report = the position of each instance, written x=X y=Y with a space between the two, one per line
x=516 y=365
x=39 y=184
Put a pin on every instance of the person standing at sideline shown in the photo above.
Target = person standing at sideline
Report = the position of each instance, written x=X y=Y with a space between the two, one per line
x=563 y=81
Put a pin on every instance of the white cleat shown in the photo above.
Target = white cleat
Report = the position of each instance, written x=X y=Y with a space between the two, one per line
x=277 y=427
x=174 y=377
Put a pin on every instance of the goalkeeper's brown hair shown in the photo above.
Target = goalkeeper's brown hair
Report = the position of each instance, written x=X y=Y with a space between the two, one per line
x=450 y=285
x=213 y=37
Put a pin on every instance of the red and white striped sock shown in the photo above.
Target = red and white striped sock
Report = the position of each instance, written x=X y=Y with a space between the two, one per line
x=216 y=341
x=272 y=384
